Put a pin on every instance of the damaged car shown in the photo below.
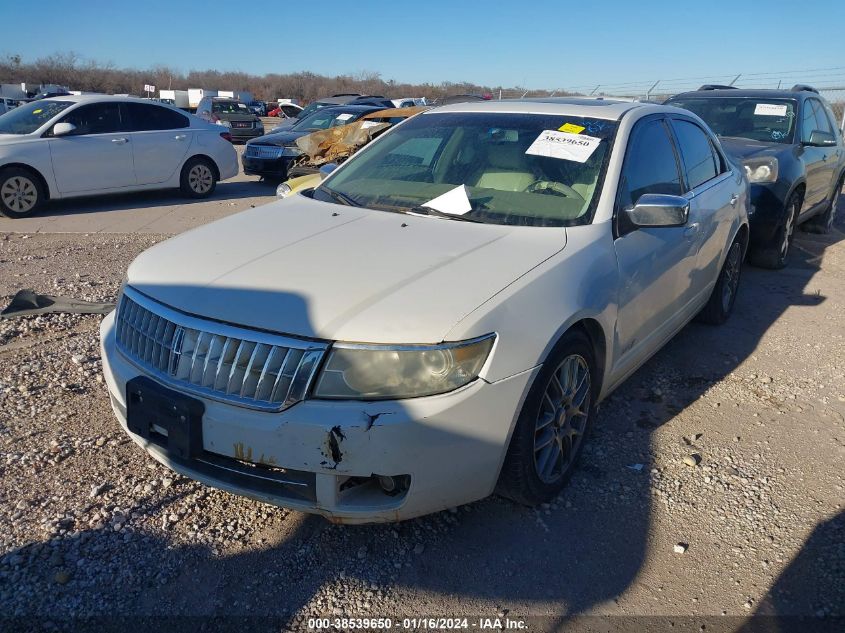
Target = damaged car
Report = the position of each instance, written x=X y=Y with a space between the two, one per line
x=273 y=154
x=439 y=318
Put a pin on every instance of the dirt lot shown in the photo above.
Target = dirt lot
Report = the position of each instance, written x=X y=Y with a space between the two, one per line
x=90 y=526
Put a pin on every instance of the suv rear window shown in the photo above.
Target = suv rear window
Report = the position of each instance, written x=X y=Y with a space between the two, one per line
x=755 y=118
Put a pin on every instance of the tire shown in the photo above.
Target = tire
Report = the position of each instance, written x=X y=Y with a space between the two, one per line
x=775 y=254
x=721 y=302
x=535 y=474
x=823 y=222
x=199 y=178
x=21 y=192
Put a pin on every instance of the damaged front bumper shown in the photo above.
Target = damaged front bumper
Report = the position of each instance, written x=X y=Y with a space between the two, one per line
x=334 y=458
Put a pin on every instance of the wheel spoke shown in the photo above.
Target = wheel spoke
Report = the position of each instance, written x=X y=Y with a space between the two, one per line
x=545 y=421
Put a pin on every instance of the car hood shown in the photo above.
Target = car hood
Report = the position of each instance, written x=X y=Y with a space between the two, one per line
x=283 y=139
x=326 y=271
x=745 y=148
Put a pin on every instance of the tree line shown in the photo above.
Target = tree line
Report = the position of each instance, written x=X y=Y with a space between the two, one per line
x=76 y=73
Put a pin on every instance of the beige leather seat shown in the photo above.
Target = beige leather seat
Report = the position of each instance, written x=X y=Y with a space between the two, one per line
x=506 y=169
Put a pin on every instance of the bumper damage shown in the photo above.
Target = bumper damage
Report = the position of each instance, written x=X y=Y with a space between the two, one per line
x=349 y=461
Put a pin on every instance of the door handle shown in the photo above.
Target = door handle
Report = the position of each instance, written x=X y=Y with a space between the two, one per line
x=119 y=141
x=180 y=137
x=734 y=198
x=691 y=230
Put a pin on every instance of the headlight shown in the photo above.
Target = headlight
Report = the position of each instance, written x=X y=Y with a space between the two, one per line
x=761 y=169
x=223 y=122
x=291 y=151
x=283 y=190
x=372 y=372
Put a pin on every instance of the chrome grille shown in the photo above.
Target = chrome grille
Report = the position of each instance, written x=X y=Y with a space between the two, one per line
x=263 y=151
x=215 y=360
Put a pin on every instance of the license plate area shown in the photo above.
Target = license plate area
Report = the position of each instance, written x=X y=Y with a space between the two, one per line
x=165 y=417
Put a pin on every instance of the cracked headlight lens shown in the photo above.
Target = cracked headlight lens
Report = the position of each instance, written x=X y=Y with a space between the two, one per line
x=761 y=169
x=373 y=372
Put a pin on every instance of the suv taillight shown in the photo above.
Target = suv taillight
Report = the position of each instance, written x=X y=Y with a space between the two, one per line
x=226 y=136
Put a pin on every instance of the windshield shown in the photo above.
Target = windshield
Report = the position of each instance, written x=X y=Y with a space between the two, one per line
x=523 y=169
x=229 y=107
x=323 y=119
x=27 y=118
x=757 y=118
x=312 y=108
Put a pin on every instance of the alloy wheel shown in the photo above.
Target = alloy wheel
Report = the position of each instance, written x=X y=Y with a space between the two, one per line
x=831 y=216
x=19 y=194
x=788 y=229
x=731 y=280
x=562 y=420
x=200 y=178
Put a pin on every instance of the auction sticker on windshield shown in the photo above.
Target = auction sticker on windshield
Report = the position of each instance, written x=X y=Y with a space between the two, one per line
x=564 y=145
x=770 y=109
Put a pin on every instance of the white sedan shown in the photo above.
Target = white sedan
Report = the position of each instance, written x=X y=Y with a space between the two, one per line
x=64 y=147
x=439 y=318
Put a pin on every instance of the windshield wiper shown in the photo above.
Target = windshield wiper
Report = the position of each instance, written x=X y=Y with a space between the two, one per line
x=442 y=214
x=340 y=197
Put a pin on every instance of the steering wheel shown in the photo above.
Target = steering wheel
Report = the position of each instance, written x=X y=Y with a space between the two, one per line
x=554 y=188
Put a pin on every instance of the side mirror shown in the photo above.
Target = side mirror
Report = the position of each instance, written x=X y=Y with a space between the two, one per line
x=657 y=209
x=326 y=169
x=63 y=129
x=821 y=139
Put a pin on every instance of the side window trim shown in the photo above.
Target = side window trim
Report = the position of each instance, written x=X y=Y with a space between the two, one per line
x=720 y=163
x=632 y=137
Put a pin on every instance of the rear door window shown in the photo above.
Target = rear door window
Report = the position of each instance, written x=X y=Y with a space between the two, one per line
x=651 y=165
x=700 y=161
x=152 y=117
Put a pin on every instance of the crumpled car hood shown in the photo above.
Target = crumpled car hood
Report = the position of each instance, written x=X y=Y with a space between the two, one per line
x=327 y=271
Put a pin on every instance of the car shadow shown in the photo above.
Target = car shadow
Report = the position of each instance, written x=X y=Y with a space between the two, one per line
x=228 y=190
x=576 y=555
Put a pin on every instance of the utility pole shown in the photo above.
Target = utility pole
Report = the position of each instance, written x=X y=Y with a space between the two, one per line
x=735 y=78
x=648 y=93
x=594 y=90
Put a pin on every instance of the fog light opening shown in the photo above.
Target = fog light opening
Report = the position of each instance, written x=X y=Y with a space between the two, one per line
x=388 y=484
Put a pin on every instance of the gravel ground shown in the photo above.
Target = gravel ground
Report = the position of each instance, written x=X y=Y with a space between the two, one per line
x=711 y=488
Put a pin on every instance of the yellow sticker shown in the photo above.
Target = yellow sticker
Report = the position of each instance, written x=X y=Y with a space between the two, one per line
x=38 y=111
x=571 y=128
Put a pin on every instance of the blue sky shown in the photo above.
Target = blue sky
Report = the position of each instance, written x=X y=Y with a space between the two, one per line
x=536 y=44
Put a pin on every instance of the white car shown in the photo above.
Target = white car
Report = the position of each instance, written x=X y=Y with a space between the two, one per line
x=439 y=317
x=64 y=147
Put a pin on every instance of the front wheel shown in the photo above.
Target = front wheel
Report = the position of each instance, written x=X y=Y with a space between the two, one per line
x=553 y=424
x=199 y=178
x=21 y=193
x=721 y=302
x=775 y=254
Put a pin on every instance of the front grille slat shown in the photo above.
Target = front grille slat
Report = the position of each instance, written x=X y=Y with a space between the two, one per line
x=227 y=363
x=271 y=152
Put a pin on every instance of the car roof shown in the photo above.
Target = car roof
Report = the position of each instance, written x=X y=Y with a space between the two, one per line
x=759 y=93
x=100 y=98
x=582 y=107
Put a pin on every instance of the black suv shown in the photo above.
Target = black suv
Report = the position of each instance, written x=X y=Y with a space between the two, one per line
x=793 y=154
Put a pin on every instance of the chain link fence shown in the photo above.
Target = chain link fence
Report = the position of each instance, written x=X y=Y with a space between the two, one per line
x=835 y=95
